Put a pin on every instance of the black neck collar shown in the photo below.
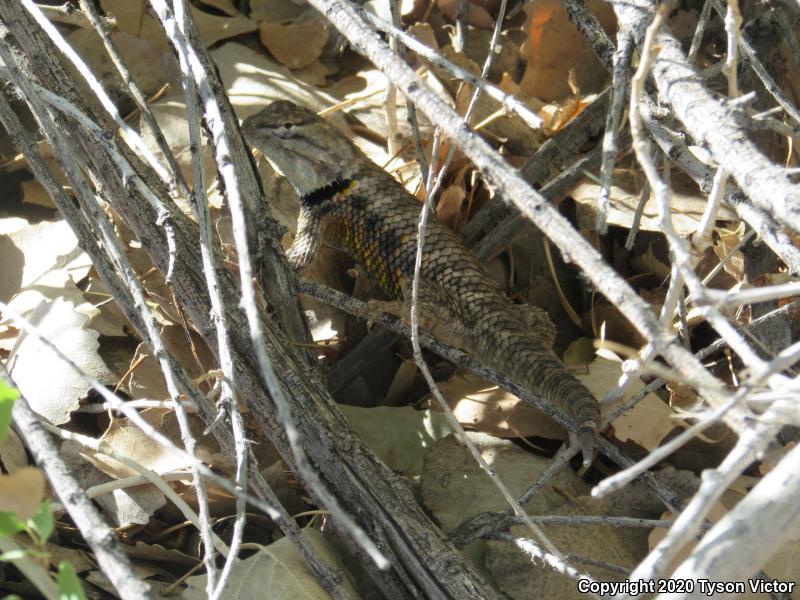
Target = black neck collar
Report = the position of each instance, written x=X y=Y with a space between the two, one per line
x=326 y=192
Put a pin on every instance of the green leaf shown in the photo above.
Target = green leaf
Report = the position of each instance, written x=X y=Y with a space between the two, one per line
x=69 y=586
x=12 y=597
x=10 y=524
x=12 y=554
x=42 y=522
x=8 y=396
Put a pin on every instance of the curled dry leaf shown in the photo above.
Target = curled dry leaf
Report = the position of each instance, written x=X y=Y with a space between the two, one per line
x=687 y=203
x=21 y=492
x=725 y=242
x=127 y=439
x=57 y=394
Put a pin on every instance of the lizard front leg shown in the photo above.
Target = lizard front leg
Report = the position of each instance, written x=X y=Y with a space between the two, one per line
x=311 y=227
x=437 y=314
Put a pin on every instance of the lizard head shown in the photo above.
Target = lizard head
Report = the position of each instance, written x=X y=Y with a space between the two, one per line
x=308 y=150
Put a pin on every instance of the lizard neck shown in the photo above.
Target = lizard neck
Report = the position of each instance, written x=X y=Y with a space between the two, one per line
x=324 y=193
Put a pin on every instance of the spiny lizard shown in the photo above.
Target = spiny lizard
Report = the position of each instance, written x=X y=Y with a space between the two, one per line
x=374 y=219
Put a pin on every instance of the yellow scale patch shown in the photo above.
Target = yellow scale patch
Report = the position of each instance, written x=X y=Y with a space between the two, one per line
x=369 y=255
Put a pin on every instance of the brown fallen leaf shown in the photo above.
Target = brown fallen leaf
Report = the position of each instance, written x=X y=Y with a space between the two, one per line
x=554 y=47
x=295 y=45
x=482 y=406
x=22 y=492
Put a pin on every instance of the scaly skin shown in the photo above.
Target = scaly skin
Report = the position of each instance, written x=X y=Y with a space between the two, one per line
x=374 y=220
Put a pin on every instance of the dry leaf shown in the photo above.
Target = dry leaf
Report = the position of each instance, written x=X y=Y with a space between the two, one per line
x=454 y=487
x=647 y=423
x=21 y=492
x=478 y=15
x=41 y=256
x=521 y=579
x=128 y=440
x=554 y=46
x=480 y=405
x=400 y=436
x=448 y=209
x=581 y=352
x=12 y=452
x=647 y=264
x=688 y=204
x=726 y=241
x=58 y=394
x=33 y=192
x=402 y=382
x=278 y=572
x=423 y=32
x=277 y=11
x=148 y=58
x=295 y=45
x=131 y=505
x=225 y=6
x=135 y=18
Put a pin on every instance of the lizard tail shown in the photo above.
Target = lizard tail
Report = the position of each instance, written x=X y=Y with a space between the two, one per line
x=532 y=364
x=541 y=372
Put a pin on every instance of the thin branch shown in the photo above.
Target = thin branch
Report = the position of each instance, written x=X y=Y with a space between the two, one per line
x=98 y=535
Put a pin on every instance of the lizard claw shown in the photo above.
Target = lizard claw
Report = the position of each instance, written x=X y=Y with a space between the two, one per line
x=587 y=438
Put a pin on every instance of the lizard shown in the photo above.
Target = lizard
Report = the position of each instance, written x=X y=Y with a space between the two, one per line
x=374 y=219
